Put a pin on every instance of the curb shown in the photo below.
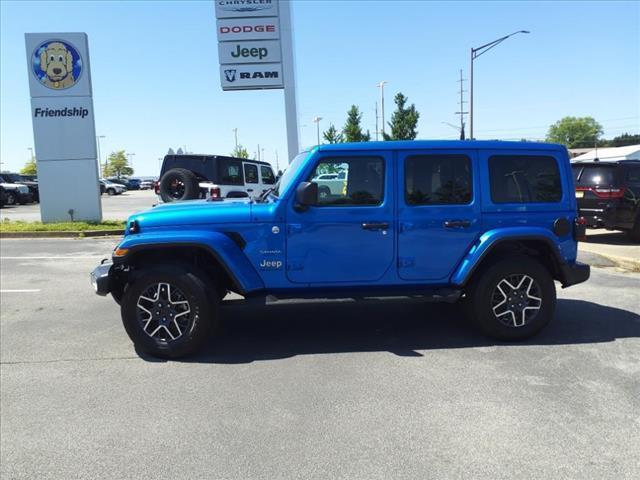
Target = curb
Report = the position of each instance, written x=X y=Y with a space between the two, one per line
x=69 y=234
x=626 y=263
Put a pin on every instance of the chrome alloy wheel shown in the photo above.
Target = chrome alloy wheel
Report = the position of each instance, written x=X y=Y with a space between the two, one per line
x=516 y=300
x=163 y=312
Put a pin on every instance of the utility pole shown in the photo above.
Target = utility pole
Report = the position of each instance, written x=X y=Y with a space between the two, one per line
x=381 y=86
x=277 y=164
x=376 y=121
x=316 y=120
x=258 y=152
x=235 y=131
x=462 y=113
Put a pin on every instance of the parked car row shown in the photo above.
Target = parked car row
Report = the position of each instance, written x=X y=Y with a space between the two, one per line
x=18 y=189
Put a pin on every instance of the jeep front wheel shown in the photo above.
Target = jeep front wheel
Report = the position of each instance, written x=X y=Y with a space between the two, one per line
x=168 y=310
x=512 y=299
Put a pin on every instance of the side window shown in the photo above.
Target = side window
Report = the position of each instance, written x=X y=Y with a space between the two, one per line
x=230 y=172
x=359 y=181
x=267 y=175
x=633 y=174
x=438 y=180
x=250 y=173
x=524 y=179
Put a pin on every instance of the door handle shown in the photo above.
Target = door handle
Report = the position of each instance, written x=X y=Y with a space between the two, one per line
x=457 y=223
x=375 y=226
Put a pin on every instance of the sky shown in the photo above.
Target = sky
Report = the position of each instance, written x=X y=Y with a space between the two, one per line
x=154 y=68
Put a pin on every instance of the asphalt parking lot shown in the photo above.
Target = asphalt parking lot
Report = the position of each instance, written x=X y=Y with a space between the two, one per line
x=116 y=207
x=323 y=390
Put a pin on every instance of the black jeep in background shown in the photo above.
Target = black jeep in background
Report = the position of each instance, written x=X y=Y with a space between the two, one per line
x=608 y=194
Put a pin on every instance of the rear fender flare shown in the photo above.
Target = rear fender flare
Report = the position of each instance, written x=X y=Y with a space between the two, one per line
x=493 y=238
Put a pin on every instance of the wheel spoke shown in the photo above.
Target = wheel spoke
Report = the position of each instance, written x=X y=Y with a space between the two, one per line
x=163 y=312
x=515 y=300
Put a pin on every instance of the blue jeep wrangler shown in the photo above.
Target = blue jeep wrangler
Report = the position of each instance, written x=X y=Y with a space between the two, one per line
x=491 y=224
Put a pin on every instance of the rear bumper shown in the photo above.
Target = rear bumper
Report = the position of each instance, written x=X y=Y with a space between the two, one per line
x=101 y=278
x=575 y=273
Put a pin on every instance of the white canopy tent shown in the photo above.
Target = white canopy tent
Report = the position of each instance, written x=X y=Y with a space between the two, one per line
x=611 y=154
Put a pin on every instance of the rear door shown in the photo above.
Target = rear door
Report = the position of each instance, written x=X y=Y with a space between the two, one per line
x=438 y=212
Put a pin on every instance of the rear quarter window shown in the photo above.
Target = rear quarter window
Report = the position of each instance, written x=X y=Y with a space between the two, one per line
x=524 y=179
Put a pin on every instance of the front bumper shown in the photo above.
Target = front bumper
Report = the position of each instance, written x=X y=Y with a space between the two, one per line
x=574 y=273
x=100 y=278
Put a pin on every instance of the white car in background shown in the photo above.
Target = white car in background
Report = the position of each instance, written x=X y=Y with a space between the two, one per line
x=331 y=183
x=111 y=188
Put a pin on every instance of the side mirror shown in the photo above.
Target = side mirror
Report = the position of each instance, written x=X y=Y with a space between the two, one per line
x=306 y=195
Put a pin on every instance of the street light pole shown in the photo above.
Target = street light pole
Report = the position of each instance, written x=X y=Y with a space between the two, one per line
x=316 y=120
x=98 y=137
x=475 y=53
x=235 y=131
x=31 y=150
x=381 y=85
x=129 y=155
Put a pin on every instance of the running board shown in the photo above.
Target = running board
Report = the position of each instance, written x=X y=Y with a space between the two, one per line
x=447 y=295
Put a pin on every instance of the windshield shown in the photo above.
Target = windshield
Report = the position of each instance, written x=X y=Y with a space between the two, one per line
x=289 y=173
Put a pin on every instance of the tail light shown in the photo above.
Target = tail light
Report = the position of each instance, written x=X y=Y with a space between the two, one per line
x=580 y=229
x=214 y=193
x=603 y=192
x=609 y=192
x=156 y=187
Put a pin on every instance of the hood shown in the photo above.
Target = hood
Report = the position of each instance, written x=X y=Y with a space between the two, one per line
x=193 y=212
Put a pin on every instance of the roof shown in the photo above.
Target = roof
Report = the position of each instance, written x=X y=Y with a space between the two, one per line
x=441 y=144
x=630 y=152
x=211 y=155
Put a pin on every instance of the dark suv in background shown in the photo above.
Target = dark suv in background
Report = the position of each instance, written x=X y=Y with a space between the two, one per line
x=27 y=180
x=608 y=194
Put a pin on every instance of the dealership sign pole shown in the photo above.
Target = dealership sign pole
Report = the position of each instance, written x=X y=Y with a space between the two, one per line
x=255 y=49
x=63 y=126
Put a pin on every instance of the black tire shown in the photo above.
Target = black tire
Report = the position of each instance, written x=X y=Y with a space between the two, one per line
x=111 y=191
x=185 y=284
x=179 y=184
x=11 y=198
x=483 y=296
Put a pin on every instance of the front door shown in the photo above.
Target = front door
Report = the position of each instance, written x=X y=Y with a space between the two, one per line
x=348 y=236
x=438 y=212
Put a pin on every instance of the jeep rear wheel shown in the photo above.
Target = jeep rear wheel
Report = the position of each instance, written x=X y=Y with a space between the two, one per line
x=512 y=299
x=11 y=198
x=168 y=310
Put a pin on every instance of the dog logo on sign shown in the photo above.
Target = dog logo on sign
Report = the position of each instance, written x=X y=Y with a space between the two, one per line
x=230 y=75
x=56 y=64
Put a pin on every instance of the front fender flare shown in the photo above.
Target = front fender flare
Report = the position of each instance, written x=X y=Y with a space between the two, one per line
x=492 y=238
x=219 y=244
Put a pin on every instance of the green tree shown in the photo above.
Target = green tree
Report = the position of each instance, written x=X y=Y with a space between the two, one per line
x=575 y=132
x=352 y=130
x=240 y=152
x=404 y=120
x=117 y=165
x=331 y=135
x=30 y=168
x=624 y=140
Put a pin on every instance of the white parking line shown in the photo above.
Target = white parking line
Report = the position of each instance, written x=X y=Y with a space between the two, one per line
x=27 y=290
